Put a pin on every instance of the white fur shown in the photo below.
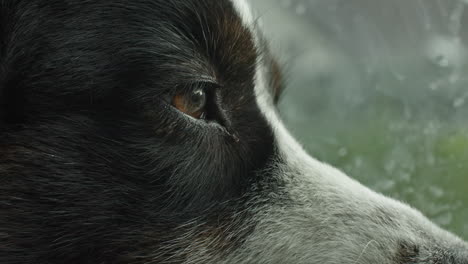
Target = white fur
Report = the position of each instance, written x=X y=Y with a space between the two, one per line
x=244 y=11
x=321 y=215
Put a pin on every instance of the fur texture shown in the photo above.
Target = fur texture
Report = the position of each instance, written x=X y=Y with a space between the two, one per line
x=97 y=166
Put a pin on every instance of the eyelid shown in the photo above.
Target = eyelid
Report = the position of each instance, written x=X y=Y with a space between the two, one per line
x=205 y=83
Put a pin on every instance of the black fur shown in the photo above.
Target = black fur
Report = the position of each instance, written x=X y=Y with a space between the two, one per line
x=95 y=165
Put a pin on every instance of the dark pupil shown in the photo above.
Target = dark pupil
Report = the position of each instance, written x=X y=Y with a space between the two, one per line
x=197 y=100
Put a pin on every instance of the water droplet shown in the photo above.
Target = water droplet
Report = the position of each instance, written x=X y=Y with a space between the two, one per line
x=454 y=78
x=390 y=166
x=342 y=152
x=434 y=86
x=405 y=177
x=459 y=102
x=442 y=61
x=301 y=9
x=386 y=185
x=358 y=162
x=430 y=160
x=444 y=219
x=446 y=51
x=436 y=192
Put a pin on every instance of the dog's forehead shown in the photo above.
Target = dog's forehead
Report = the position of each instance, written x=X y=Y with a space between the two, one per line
x=246 y=15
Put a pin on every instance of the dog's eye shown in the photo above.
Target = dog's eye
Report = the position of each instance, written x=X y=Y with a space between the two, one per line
x=192 y=103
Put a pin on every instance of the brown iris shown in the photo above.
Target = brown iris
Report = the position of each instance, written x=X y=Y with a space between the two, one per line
x=192 y=103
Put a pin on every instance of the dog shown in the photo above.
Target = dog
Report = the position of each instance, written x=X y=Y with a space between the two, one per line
x=145 y=132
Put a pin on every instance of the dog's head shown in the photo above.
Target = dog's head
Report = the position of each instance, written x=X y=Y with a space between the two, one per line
x=145 y=132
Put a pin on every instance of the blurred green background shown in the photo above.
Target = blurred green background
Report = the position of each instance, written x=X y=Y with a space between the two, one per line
x=380 y=90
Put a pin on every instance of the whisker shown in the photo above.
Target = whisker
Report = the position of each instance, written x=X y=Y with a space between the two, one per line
x=364 y=250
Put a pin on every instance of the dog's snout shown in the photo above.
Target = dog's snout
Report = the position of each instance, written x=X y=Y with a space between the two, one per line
x=451 y=255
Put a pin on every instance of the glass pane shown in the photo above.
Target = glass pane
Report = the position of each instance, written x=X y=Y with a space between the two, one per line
x=380 y=90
